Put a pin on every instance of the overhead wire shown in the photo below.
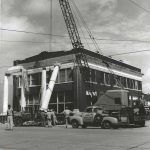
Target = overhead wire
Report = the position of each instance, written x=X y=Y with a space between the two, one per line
x=96 y=45
x=30 y=32
x=139 y=6
x=146 y=50
x=47 y=34
x=86 y=27
x=40 y=42
x=73 y=10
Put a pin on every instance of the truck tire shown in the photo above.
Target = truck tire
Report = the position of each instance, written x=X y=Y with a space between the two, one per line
x=75 y=124
x=106 y=125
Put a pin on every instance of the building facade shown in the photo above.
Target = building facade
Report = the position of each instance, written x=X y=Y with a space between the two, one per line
x=70 y=89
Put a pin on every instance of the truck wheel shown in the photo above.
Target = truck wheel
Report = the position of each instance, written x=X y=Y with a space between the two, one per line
x=106 y=125
x=75 y=124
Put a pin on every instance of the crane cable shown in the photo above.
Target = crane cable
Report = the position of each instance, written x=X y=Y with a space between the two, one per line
x=86 y=27
x=96 y=45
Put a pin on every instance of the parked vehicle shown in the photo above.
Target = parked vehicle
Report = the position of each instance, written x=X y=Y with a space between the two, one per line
x=93 y=116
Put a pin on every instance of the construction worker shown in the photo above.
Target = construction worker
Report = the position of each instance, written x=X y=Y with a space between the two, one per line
x=66 y=113
x=10 y=118
x=54 y=119
x=49 y=118
x=43 y=117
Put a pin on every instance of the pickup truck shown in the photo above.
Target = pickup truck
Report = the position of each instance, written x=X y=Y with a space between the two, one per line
x=93 y=116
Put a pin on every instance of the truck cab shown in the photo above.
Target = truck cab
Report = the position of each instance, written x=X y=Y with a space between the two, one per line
x=117 y=103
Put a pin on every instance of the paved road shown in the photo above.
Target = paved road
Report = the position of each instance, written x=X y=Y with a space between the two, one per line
x=60 y=138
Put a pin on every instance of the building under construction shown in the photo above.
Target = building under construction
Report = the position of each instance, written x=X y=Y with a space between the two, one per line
x=70 y=88
x=83 y=75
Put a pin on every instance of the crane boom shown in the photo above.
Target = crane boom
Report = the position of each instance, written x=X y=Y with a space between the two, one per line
x=70 y=24
x=81 y=58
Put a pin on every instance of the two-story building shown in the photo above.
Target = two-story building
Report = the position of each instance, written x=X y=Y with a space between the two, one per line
x=70 y=89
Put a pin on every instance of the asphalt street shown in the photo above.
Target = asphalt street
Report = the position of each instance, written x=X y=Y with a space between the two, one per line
x=60 y=138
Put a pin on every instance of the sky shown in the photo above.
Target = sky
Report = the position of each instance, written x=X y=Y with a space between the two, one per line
x=118 y=26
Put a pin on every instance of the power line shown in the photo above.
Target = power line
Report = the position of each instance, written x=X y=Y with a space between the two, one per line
x=146 y=50
x=47 y=34
x=29 y=42
x=141 y=7
x=44 y=42
x=124 y=40
x=30 y=32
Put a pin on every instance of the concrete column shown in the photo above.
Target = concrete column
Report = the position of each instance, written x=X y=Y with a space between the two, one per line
x=23 y=100
x=5 y=98
x=49 y=91
x=43 y=85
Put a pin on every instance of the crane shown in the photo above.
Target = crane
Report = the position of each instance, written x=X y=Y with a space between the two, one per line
x=81 y=58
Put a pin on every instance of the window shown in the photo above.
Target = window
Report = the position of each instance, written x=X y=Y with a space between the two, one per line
x=36 y=79
x=139 y=85
x=62 y=75
x=61 y=99
x=61 y=96
x=136 y=85
x=69 y=96
x=69 y=74
x=53 y=98
x=133 y=84
x=129 y=83
x=107 y=79
x=123 y=81
x=99 y=77
x=117 y=100
x=93 y=75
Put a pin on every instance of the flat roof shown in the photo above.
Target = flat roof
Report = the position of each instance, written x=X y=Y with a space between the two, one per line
x=46 y=55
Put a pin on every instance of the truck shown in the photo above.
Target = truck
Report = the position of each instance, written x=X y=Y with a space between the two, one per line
x=93 y=116
x=117 y=103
